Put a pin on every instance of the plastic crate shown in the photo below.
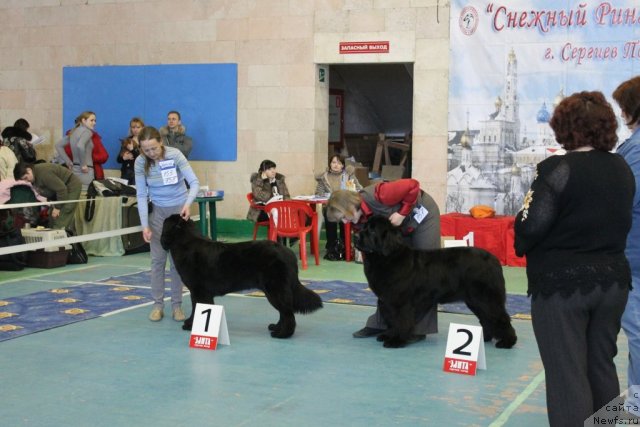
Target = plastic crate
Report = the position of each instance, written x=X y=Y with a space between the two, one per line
x=50 y=257
x=37 y=235
x=42 y=259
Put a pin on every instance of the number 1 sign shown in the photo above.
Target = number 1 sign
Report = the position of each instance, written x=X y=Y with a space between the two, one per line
x=209 y=327
x=465 y=349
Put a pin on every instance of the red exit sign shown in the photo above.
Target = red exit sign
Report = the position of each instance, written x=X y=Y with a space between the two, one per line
x=364 y=47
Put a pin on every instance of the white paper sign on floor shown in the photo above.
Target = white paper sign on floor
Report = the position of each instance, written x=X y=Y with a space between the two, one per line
x=209 y=327
x=465 y=349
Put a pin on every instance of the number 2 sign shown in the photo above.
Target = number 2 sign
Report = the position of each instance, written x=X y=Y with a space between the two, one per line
x=465 y=350
x=209 y=327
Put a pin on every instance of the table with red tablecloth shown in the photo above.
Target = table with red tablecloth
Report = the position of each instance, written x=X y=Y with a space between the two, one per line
x=493 y=234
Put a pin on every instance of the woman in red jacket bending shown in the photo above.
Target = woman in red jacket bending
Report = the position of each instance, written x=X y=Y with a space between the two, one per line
x=407 y=207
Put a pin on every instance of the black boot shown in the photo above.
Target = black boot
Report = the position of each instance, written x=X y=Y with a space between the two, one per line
x=335 y=251
x=339 y=249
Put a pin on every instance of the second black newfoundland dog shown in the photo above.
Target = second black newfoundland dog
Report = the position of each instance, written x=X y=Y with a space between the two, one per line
x=408 y=282
x=210 y=269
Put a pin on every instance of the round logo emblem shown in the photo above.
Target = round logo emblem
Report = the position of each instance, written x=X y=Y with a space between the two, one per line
x=468 y=20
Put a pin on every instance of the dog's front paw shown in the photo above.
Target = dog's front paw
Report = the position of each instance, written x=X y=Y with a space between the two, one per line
x=506 y=342
x=281 y=334
x=186 y=326
x=273 y=326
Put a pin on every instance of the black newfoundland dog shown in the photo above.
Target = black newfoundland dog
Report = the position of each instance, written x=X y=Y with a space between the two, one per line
x=210 y=269
x=408 y=282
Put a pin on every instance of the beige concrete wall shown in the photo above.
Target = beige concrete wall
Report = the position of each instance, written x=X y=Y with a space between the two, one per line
x=277 y=44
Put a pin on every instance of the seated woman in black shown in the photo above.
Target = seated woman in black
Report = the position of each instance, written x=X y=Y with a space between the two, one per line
x=267 y=185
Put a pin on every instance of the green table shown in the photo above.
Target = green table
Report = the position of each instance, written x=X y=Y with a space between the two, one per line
x=202 y=204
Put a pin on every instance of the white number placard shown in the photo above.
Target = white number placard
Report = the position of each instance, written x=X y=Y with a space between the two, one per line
x=169 y=172
x=465 y=349
x=209 y=327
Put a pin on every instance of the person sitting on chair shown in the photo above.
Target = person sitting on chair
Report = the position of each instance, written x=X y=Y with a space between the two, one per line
x=267 y=185
x=337 y=176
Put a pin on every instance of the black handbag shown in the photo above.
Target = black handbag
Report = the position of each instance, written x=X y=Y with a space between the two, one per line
x=15 y=261
x=335 y=253
x=77 y=254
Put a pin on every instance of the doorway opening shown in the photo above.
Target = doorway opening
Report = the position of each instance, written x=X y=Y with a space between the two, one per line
x=371 y=116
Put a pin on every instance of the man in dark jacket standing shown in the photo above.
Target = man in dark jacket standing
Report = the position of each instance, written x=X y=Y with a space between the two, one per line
x=174 y=134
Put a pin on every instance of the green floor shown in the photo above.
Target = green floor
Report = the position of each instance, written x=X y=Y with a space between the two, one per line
x=123 y=370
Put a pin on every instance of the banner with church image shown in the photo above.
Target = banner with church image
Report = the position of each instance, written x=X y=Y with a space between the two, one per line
x=511 y=63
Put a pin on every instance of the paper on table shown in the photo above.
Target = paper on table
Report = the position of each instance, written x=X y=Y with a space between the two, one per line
x=277 y=198
x=311 y=198
x=35 y=139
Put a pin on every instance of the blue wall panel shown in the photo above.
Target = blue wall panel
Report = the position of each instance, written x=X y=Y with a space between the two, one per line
x=204 y=94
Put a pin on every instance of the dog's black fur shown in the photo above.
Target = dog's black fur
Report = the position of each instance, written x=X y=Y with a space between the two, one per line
x=210 y=269
x=409 y=282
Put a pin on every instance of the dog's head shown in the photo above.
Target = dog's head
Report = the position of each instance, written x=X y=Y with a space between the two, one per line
x=173 y=227
x=379 y=236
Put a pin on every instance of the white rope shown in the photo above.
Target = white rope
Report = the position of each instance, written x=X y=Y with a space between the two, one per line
x=53 y=202
x=68 y=240
x=75 y=239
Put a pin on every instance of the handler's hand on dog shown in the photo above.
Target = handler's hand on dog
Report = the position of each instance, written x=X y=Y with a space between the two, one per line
x=396 y=219
x=185 y=213
x=146 y=234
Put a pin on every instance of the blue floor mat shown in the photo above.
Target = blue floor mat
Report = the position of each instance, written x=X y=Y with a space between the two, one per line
x=338 y=291
x=40 y=311
x=341 y=292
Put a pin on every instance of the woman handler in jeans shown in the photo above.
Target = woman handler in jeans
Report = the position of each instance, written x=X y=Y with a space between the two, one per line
x=407 y=207
x=161 y=173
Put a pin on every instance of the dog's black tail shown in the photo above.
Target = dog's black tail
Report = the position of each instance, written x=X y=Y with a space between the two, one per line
x=305 y=300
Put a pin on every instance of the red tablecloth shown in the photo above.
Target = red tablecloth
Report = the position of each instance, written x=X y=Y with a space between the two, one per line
x=493 y=234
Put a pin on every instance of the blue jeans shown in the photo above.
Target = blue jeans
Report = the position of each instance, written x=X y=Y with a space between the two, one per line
x=631 y=326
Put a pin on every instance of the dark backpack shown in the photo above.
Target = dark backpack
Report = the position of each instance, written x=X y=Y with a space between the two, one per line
x=11 y=236
x=105 y=188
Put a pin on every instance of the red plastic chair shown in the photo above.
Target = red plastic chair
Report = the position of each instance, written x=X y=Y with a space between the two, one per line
x=258 y=224
x=288 y=218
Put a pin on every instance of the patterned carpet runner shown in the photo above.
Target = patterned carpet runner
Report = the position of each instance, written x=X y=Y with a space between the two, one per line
x=44 y=310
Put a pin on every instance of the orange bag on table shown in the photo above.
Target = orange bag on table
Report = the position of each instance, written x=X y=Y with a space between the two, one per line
x=482 y=211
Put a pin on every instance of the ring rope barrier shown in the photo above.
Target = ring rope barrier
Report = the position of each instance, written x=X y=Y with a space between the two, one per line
x=54 y=202
x=68 y=240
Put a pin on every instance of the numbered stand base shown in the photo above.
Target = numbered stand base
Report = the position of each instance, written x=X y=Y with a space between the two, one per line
x=199 y=341
x=465 y=350
x=209 y=327
x=458 y=366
